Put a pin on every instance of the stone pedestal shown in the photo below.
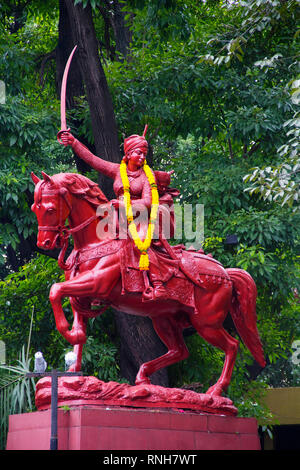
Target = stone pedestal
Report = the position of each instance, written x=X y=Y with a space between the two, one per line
x=119 y=428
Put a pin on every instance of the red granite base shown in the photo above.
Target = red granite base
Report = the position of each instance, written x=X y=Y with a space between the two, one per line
x=116 y=428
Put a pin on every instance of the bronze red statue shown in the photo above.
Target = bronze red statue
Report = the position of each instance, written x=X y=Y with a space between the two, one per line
x=138 y=275
x=199 y=291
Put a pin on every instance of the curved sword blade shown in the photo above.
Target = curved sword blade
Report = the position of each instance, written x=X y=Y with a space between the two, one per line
x=63 y=122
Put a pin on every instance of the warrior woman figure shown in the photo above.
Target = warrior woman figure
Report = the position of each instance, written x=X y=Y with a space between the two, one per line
x=134 y=185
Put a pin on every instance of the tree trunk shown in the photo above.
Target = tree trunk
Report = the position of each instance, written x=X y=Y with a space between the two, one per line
x=121 y=32
x=114 y=17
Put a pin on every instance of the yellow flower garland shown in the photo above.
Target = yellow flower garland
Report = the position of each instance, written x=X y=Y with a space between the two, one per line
x=142 y=246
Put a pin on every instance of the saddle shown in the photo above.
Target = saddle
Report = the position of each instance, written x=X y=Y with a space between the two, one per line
x=181 y=271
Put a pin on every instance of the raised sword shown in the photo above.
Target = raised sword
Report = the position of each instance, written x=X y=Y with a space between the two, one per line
x=63 y=121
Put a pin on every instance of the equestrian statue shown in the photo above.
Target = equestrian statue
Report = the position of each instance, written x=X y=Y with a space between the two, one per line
x=139 y=273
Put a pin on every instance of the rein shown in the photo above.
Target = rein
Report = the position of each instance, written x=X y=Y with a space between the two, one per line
x=64 y=232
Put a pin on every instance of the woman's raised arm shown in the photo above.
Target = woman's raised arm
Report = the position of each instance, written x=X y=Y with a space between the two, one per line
x=103 y=166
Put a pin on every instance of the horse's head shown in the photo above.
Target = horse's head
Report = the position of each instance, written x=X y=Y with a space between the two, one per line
x=52 y=205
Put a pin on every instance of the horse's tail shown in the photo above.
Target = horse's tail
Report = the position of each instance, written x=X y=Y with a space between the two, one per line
x=243 y=312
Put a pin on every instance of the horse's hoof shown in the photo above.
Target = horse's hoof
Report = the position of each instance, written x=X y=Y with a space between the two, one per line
x=216 y=390
x=73 y=368
x=143 y=381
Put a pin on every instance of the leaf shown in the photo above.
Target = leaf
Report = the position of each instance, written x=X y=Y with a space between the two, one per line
x=13 y=140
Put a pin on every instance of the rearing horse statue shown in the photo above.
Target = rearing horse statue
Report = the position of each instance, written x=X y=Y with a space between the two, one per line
x=200 y=291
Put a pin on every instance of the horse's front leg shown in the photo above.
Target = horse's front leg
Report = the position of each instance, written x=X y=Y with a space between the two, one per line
x=79 y=323
x=94 y=283
x=82 y=285
x=76 y=366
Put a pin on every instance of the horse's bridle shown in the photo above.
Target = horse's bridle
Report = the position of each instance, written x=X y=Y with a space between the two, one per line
x=63 y=232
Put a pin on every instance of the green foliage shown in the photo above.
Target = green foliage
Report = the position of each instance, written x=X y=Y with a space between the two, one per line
x=100 y=358
x=16 y=392
x=28 y=121
x=280 y=182
x=251 y=402
x=22 y=291
x=27 y=144
x=23 y=389
x=163 y=19
x=85 y=3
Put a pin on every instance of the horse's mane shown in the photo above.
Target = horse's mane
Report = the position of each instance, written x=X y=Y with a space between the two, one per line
x=79 y=186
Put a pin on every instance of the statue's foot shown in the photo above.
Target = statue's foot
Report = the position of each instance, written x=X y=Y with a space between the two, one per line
x=158 y=292
x=148 y=294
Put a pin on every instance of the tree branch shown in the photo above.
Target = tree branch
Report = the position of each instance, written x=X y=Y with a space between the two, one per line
x=254 y=147
x=107 y=23
x=114 y=16
x=50 y=56
x=231 y=154
x=247 y=153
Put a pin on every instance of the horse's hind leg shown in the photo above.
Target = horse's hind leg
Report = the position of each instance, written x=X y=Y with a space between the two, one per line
x=219 y=338
x=170 y=333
